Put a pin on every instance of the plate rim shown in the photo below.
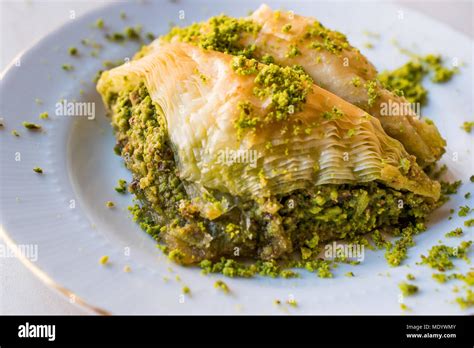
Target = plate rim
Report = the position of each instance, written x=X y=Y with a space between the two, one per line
x=7 y=238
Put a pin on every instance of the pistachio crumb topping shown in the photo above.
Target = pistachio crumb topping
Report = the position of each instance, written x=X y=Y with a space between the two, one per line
x=287 y=87
x=467 y=126
x=222 y=286
x=404 y=307
x=73 y=51
x=292 y=302
x=440 y=256
x=397 y=252
x=246 y=120
x=408 y=289
x=103 y=260
x=372 y=92
x=356 y=82
x=464 y=210
x=67 y=67
x=244 y=66
x=121 y=186
x=99 y=23
x=31 y=126
x=323 y=38
x=150 y=36
x=334 y=114
x=467 y=301
x=221 y=33
x=405 y=165
x=407 y=80
x=38 y=170
x=457 y=232
x=293 y=51
x=286 y=28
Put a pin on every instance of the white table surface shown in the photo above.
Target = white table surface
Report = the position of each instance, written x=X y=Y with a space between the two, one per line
x=23 y=22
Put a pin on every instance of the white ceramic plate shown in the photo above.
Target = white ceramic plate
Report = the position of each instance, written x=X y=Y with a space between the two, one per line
x=62 y=212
